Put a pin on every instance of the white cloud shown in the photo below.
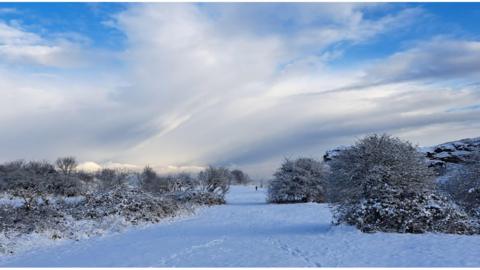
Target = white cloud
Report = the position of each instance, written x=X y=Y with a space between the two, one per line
x=7 y=10
x=229 y=103
x=89 y=166
x=171 y=169
x=353 y=27
x=437 y=58
x=205 y=89
x=18 y=46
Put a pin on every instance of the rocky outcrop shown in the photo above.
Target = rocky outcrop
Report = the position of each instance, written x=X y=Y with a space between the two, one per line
x=456 y=152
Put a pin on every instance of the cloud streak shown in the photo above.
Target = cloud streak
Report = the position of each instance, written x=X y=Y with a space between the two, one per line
x=225 y=84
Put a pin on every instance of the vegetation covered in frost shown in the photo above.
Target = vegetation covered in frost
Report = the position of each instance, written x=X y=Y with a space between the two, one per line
x=464 y=185
x=57 y=198
x=301 y=180
x=383 y=184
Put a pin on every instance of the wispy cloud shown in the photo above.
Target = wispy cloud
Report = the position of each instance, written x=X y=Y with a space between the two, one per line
x=60 y=50
x=227 y=84
x=8 y=10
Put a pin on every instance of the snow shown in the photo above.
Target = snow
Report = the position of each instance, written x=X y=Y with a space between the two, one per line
x=247 y=232
x=425 y=149
x=14 y=202
x=443 y=155
x=19 y=202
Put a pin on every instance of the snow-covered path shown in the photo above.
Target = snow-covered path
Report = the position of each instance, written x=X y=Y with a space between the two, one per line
x=249 y=232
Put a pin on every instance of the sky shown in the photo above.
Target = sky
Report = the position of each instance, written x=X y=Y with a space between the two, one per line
x=182 y=86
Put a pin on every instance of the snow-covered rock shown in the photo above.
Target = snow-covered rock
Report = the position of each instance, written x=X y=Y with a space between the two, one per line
x=446 y=154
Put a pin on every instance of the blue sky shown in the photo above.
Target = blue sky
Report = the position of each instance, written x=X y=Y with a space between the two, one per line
x=89 y=20
x=180 y=86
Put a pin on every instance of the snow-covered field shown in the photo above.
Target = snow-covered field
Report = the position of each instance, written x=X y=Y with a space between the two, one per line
x=249 y=232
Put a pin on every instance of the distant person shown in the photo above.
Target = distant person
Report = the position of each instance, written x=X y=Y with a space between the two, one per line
x=256 y=188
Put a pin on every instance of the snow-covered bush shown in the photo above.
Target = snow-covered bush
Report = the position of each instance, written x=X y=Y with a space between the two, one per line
x=184 y=182
x=93 y=214
x=111 y=179
x=208 y=188
x=199 y=197
x=239 y=177
x=151 y=182
x=18 y=184
x=28 y=181
x=178 y=183
x=40 y=192
x=215 y=181
x=464 y=185
x=85 y=176
x=301 y=180
x=414 y=212
x=383 y=184
x=102 y=200
x=68 y=183
x=188 y=189
x=21 y=220
x=132 y=204
x=375 y=163
x=68 y=186
x=37 y=179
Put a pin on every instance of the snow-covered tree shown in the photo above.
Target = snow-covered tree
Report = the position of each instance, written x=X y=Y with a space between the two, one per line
x=300 y=180
x=6 y=171
x=215 y=180
x=28 y=180
x=111 y=178
x=168 y=183
x=183 y=182
x=66 y=165
x=464 y=185
x=239 y=177
x=150 y=182
x=383 y=183
x=67 y=182
x=22 y=183
x=180 y=182
x=374 y=164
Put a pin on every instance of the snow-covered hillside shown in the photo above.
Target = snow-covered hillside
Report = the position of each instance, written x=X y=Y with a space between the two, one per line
x=249 y=232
